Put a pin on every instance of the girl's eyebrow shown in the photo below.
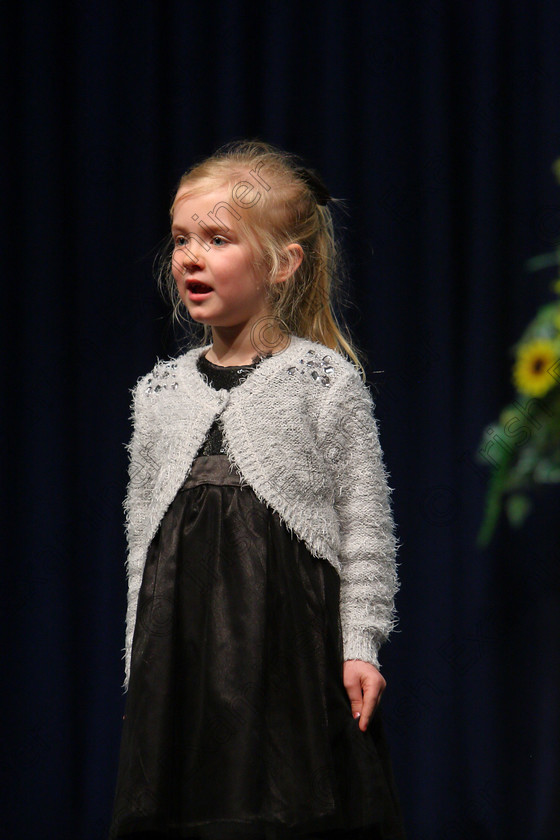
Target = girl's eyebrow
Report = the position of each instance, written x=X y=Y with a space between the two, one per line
x=207 y=227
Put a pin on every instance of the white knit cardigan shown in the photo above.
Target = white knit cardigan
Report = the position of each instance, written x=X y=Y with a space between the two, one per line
x=301 y=431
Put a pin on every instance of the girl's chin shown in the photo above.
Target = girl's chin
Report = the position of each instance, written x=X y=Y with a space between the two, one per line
x=197 y=312
x=202 y=318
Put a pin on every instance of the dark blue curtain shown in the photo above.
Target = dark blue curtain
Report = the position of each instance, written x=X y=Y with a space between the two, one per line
x=438 y=123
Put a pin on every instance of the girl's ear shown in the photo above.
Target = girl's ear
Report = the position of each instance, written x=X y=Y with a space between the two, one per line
x=292 y=261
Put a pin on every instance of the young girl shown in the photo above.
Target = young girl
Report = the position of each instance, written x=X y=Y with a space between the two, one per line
x=261 y=547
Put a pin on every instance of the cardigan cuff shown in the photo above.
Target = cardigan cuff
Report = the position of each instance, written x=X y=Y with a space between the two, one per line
x=361 y=646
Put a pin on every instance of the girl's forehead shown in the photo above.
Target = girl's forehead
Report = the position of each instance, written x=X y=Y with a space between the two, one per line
x=204 y=197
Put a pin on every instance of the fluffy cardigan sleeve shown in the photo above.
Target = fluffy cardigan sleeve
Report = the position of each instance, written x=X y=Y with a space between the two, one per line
x=141 y=477
x=351 y=448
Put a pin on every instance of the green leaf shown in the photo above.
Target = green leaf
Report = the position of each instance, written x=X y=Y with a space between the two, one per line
x=541 y=261
x=493 y=504
x=499 y=453
x=546 y=472
x=518 y=506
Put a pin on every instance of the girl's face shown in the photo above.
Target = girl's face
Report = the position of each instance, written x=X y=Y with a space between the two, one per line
x=212 y=267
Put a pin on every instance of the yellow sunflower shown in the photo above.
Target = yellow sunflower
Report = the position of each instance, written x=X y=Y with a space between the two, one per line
x=531 y=373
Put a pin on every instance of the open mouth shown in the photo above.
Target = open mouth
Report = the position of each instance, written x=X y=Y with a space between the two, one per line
x=198 y=288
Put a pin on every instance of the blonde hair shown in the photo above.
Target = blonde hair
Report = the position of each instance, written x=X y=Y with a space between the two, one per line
x=290 y=209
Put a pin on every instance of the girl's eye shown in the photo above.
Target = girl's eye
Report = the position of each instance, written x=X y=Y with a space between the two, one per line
x=182 y=241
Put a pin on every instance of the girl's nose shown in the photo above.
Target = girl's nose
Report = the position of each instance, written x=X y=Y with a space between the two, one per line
x=193 y=254
x=189 y=257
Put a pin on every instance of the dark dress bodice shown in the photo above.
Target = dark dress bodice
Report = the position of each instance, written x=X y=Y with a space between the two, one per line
x=219 y=376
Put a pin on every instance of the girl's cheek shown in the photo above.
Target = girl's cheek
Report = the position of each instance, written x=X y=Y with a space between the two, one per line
x=176 y=268
x=177 y=278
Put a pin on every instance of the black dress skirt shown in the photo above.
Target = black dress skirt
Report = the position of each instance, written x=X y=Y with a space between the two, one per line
x=237 y=723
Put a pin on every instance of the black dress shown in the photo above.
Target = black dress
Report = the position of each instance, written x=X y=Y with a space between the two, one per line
x=237 y=723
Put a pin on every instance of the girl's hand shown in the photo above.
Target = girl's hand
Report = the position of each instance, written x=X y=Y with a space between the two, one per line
x=363 y=677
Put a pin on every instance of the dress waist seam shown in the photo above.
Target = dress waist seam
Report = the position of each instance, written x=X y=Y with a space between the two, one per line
x=213 y=469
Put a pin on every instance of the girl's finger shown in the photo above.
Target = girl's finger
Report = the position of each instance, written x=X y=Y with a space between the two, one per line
x=370 y=699
x=353 y=686
x=356 y=700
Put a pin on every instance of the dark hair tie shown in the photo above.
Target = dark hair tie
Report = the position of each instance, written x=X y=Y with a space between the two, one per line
x=315 y=184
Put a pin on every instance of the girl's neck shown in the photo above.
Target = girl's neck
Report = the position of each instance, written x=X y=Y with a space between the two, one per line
x=244 y=349
x=229 y=361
